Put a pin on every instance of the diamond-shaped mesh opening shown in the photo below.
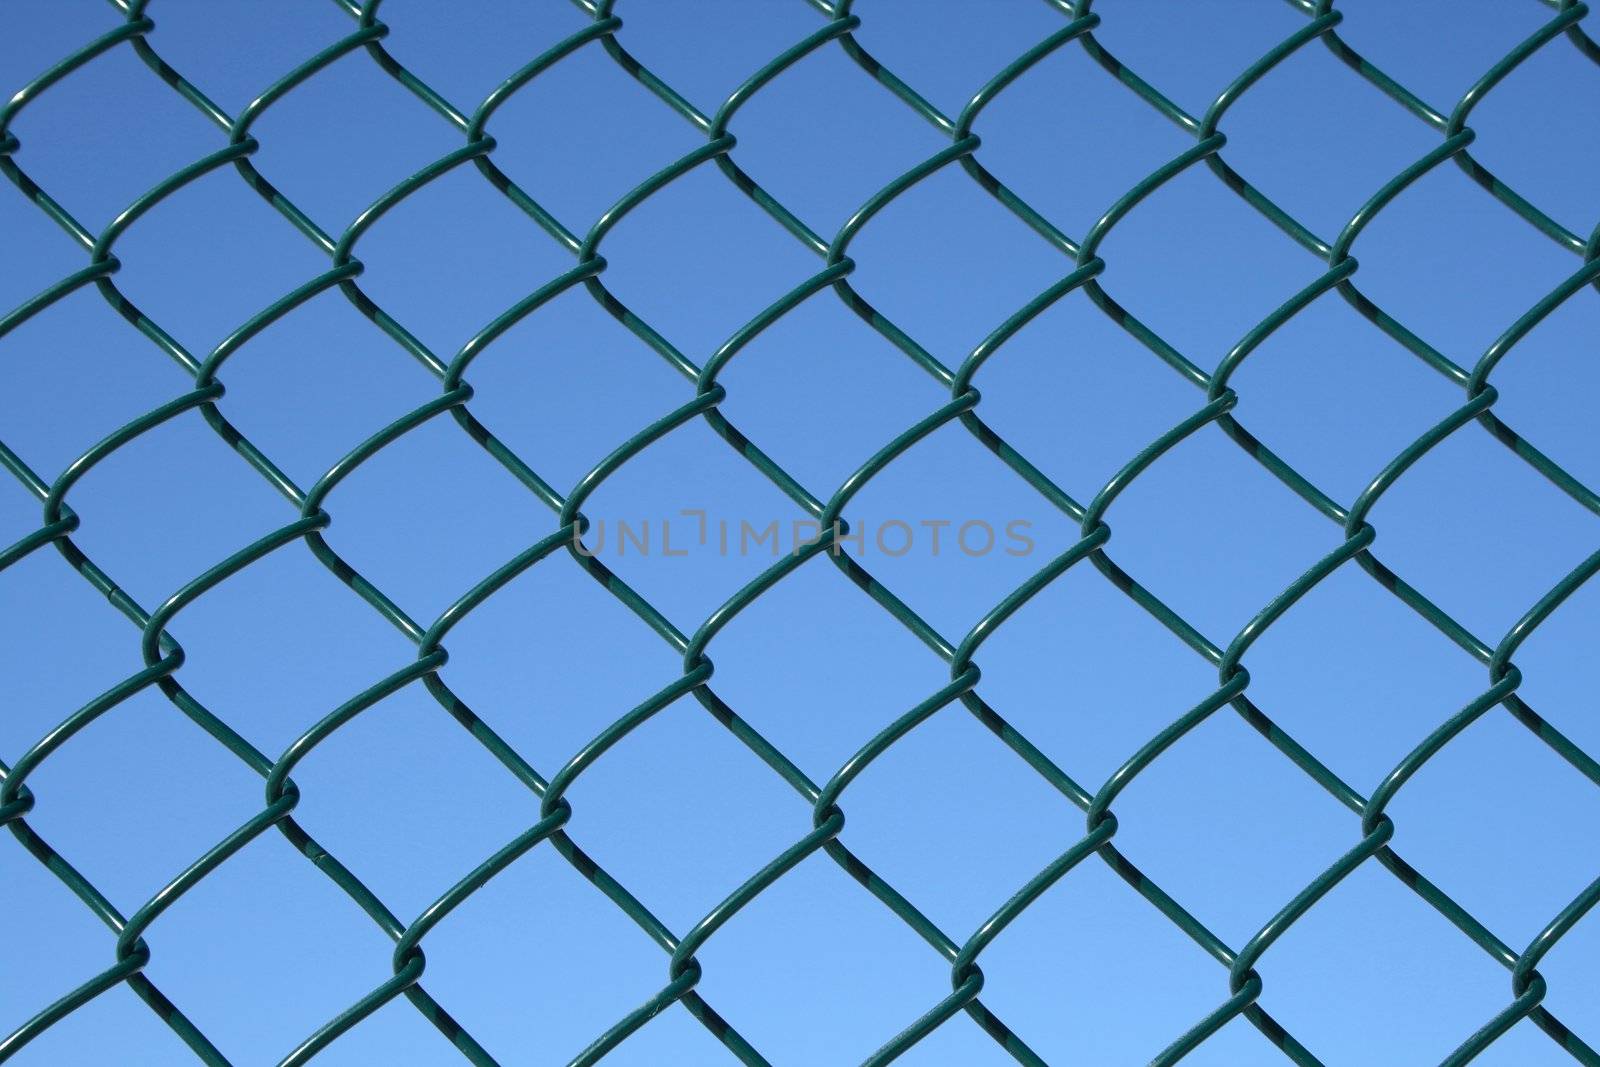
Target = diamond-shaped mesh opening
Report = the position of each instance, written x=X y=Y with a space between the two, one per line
x=342 y=381
x=1557 y=672
x=329 y=105
x=948 y=51
x=1317 y=143
x=699 y=235
x=672 y=843
x=1433 y=522
x=1430 y=241
x=132 y=526
x=551 y=660
x=55 y=257
x=422 y=251
x=954 y=530
x=617 y=968
x=1361 y=723
x=798 y=363
x=1403 y=40
x=360 y=799
x=748 y=524
x=261 y=606
x=766 y=665
x=131 y=846
x=997 y=828
x=1106 y=140
x=1454 y=838
x=465 y=54
x=1203 y=292
x=235 y=60
x=1327 y=376
x=1074 y=352
x=1269 y=829
x=1442 y=983
x=1145 y=41
x=669 y=40
x=459 y=549
x=823 y=163
x=1065 y=956
x=183 y=268
x=1544 y=381
x=73 y=353
x=209 y=956
x=957 y=234
x=38 y=693
x=70 y=162
x=1560 y=136
x=820 y=975
x=67 y=942
x=1273 y=537
x=1044 y=671
x=569 y=104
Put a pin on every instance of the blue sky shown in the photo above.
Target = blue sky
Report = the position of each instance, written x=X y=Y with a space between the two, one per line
x=538 y=963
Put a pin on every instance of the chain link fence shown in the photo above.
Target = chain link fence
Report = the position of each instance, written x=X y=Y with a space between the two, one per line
x=309 y=512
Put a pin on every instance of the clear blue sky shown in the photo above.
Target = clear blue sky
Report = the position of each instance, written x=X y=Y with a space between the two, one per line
x=538 y=963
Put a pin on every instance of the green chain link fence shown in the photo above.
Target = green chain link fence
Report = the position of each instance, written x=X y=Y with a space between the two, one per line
x=1083 y=269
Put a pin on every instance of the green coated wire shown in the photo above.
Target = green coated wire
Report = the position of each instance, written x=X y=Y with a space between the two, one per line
x=1083 y=269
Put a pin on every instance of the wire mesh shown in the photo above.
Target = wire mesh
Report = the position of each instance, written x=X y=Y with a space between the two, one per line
x=1082 y=268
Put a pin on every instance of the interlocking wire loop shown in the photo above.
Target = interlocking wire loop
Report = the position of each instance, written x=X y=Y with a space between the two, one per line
x=201 y=388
